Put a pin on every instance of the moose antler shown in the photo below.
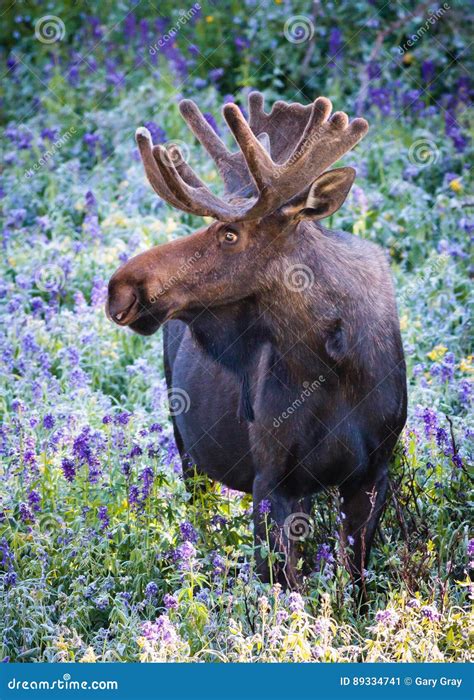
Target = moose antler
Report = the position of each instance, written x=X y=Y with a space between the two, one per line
x=281 y=154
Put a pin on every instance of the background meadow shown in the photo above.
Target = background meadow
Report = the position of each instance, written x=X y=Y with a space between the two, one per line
x=102 y=555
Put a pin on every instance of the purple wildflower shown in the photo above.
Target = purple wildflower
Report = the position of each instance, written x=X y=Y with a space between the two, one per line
x=34 y=499
x=264 y=507
x=170 y=602
x=48 y=421
x=430 y=613
x=69 y=469
x=295 y=602
x=151 y=590
x=188 y=532
x=161 y=631
x=324 y=554
x=25 y=513
x=103 y=515
x=387 y=618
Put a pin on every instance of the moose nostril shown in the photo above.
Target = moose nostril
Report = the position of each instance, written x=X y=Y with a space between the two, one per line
x=120 y=303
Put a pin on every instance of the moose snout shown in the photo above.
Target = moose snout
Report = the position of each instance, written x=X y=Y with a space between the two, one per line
x=121 y=303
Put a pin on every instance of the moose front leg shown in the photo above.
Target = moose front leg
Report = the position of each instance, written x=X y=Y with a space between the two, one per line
x=362 y=506
x=279 y=521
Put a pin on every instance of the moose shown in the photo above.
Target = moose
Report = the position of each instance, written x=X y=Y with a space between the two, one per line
x=282 y=335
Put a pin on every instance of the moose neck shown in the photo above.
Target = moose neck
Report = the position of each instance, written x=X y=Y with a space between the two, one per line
x=300 y=318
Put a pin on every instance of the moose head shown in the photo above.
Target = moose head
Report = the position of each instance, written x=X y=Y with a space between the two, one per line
x=276 y=181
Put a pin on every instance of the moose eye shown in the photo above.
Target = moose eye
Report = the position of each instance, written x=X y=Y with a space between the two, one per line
x=230 y=237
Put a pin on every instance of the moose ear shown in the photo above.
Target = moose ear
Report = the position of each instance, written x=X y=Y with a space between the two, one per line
x=325 y=196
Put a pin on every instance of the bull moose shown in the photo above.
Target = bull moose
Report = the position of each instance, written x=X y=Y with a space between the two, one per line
x=282 y=335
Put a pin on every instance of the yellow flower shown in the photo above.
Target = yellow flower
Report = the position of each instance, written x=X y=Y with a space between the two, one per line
x=61 y=644
x=408 y=59
x=79 y=206
x=466 y=364
x=89 y=657
x=438 y=352
x=209 y=19
x=116 y=219
x=404 y=322
x=455 y=185
x=171 y=225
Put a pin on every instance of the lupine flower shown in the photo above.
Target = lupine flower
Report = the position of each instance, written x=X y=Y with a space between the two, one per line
x=48 y=421
x=188 y=532
x=295 y=602
x=387 y=618
x=431 y=613
x=161 y=631
x=170 y=602
x=264 y=507
x=151 y=590
x=69 y=469
x=103 y=516
x=34 y=499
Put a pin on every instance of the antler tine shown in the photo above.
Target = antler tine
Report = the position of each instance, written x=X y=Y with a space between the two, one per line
x=184 y=170
x=256 y=103
x=144 y=142
x=278 y=176
x=203 y=131
x=258 y=160
x=199 y=200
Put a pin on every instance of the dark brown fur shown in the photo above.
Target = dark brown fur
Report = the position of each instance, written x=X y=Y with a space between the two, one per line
x=244 y=342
